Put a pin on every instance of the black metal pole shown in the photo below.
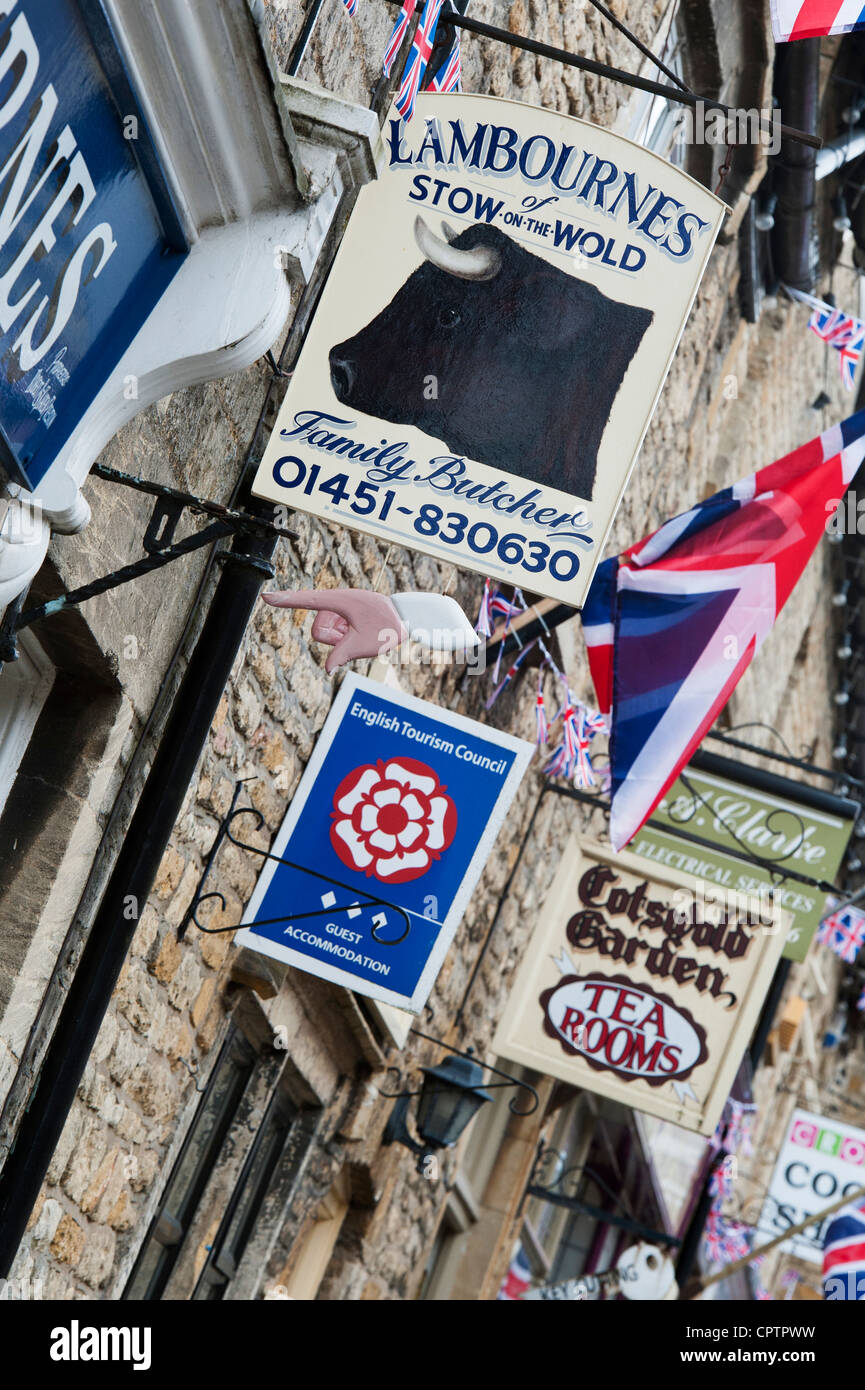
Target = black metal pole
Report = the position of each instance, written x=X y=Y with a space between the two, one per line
x=629 y=79
x=794 y=237
x=298 y=53
x=245 y=567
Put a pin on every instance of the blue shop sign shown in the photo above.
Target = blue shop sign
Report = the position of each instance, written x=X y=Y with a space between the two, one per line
x=384 y=843
x=89 y=235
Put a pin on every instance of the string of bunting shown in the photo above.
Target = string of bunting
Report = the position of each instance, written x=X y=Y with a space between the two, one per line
x=734 y=1132
x=449 y=76
x=571 y=758
x=725 y=1239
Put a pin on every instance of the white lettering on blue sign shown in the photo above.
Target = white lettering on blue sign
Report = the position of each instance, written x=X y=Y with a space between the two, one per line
x=48 y=313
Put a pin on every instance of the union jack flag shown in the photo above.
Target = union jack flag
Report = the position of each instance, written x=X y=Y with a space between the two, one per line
x=844 y=333
x=684 y=611
x=843 y=932
x=394 y=43
x=518 y=1279
x=416 y=63
x=811 y=19
x=844 y=1255
x=449 y=76
x=501 y=607
x=350 y=5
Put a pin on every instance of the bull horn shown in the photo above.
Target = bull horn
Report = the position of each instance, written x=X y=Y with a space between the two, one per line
x=481 y=263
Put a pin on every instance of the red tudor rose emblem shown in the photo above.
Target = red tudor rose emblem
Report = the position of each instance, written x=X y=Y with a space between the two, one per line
x=392 y=819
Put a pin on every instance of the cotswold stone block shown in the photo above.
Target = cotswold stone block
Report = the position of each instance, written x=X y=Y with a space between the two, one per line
x=170 y=869
x=168 y=959
x=186 y=983
x=153 y=1088
x=47 y=1221
x=68 y=1243
x=97 y=1256
x=101 y=1179
x=85 y=1158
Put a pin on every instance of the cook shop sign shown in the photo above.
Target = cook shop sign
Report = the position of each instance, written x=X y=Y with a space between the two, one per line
x=639 y=988
x=493 y=339
x=384 y=842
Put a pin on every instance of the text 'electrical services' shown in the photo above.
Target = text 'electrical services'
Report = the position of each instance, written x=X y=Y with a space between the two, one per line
x=380 y=719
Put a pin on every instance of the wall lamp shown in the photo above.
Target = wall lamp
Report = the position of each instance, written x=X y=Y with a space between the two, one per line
x=764 y=217
x=451 y=1094
x=841 y=218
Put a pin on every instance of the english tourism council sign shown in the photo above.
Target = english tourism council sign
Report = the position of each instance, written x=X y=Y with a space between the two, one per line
x=492 y=340
x=782 y=829
x=630 y=989
x=384 y=842
x=821 y=1161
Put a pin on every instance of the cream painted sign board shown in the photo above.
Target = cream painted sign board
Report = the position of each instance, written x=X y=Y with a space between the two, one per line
x=492 y=340
x=636 y=987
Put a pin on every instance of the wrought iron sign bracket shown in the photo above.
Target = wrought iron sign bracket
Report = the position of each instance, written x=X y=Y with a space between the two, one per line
x=159 y=543
x=470 y=1056
x=772 y=866
x=561 y=1188
x=359 y=899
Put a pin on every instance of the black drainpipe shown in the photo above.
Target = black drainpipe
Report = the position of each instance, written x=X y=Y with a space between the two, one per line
x=244 y=568
x=794 y=237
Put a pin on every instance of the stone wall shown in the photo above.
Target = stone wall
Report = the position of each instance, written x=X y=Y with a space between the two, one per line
x=737 y=397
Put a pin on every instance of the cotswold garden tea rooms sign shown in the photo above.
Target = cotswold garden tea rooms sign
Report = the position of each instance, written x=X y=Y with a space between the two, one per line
x=492 y=340
x=638 y=989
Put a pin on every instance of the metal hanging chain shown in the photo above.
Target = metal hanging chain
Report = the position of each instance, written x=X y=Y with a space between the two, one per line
x=698 y=798
x=725 y=169
x=225 y=833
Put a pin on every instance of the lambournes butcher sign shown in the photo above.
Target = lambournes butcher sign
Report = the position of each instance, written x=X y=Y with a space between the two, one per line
x=493 y=339
x=639 y=988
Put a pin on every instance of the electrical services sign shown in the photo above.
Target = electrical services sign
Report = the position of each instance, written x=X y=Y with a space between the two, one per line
x=782 y=823
x=89 y=237
x=492 y=340
x=821 y=1161
x=384 y=842
x=633 y=987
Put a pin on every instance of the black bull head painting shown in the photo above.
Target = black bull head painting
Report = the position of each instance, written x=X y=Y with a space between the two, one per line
x=510 y=361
